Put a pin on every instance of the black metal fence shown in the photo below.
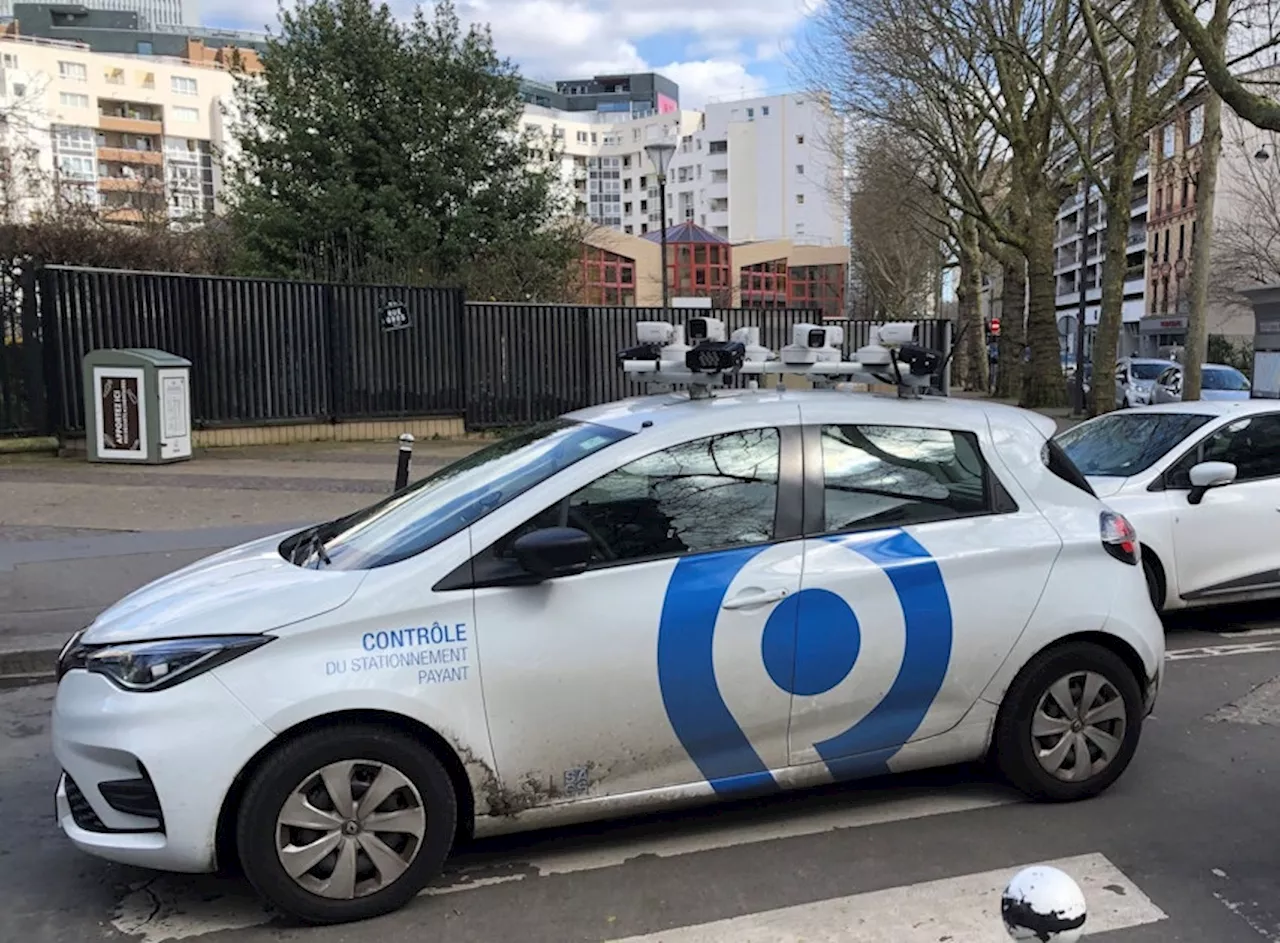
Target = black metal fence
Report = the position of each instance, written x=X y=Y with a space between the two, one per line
x=263 y=351
x=266 y=351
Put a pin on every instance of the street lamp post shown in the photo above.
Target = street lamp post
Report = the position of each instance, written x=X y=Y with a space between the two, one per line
x=660 y=155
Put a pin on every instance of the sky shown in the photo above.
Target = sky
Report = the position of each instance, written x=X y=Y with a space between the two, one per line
x=712 y=49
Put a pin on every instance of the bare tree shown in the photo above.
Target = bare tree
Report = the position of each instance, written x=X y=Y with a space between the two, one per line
x=1246 y=249
x=896 y=237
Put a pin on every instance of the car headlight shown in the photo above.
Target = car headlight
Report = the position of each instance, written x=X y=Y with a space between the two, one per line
x=154 y=666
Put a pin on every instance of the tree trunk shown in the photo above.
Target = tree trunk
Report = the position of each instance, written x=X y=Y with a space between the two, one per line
x=1115 y=265
x=973 y=360
x=1044 y=385
x=1013 y=326
x=1202 y=249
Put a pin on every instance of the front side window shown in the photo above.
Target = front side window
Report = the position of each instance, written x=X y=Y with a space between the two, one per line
x=439 y=506
x=710 y=494
x=1252 y=445
x=889 y=476
x=1123 y=444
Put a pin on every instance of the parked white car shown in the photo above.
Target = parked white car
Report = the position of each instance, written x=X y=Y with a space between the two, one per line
x=1136 y=378
x=659 y=601
x=1218 y=383
x=1201 y=483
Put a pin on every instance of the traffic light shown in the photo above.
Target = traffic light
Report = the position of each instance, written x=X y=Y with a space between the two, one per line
x=995 y=327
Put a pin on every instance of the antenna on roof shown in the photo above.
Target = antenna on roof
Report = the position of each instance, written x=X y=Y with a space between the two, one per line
x=698 y=355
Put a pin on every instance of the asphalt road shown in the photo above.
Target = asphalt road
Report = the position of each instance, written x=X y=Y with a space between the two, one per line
x=1183 y=848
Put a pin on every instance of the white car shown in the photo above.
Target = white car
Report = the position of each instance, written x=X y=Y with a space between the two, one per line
x=1217 y=382
x=1136 y=378
x=1201 y=483
x=659 y=601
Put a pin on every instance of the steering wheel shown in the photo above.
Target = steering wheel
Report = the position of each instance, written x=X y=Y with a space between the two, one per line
x=576 y=519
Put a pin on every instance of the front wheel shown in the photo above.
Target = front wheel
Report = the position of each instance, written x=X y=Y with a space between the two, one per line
x=346 y=823
x=1070 y=723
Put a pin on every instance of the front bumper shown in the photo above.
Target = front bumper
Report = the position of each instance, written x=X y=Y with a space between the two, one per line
x=145 y=774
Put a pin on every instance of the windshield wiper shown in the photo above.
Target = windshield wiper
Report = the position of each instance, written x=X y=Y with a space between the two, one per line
x=310 y=544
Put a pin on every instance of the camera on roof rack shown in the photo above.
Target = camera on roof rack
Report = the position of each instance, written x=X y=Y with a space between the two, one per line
x=813 y=343
x=652 y=336
x=895 y=333
x=922 y=361
x=710 y=352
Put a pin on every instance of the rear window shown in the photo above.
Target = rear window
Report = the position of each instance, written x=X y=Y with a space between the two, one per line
x=1061 y=465
x=1122 y=444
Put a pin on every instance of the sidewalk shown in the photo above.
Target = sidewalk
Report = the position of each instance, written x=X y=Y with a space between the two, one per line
x=75 y=537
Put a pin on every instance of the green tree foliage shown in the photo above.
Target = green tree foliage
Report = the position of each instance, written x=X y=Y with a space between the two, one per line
x=378 y=150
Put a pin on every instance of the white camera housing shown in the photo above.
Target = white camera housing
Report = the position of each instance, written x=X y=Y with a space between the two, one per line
x=705 y=329
x=895 y=333
x=655 y=332
x=813 y=343
x=749 y=337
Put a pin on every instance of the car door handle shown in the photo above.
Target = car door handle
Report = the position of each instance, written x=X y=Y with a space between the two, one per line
x=751 y=600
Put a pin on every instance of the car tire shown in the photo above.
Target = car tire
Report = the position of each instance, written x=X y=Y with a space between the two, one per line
x=1030 y=708
x=373 y=866
x=1154 y=588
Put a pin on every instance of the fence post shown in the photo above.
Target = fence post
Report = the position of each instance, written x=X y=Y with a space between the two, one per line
x=35 y=375
x=333 y=348
x=946 y=352
x=462 y=353
x=403 y=460
x=586 y=355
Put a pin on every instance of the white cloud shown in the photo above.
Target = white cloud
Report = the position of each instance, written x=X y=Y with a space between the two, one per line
x=712 y=46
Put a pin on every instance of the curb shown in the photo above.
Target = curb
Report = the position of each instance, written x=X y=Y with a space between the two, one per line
x=28 y=667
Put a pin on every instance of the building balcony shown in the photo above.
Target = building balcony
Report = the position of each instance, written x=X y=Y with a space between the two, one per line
x=127 y=155
x=123 y=214
x=129 y=125
x=130 y=184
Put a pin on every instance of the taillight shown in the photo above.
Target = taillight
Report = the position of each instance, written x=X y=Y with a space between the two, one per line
x=1119 y=538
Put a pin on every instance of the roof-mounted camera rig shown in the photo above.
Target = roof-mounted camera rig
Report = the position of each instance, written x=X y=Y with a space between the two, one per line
x=698 y=355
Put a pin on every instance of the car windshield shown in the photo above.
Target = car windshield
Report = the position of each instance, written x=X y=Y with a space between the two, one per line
x=1126 y=443
x=442 y=504
x=1146 y=371
x=1224 y=378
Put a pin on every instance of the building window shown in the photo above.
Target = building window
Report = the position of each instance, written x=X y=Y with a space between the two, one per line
x=10 y=61
x=818 y=287
x=145 y=48
x=182 y=85
x=73 y=100
x=1168 y=134
x=799 y=138
x=700 y=270
x=582 y=137
x=718 y=147
x=1195 y=126
x=607 y=278
x=800 y=170
x=593 y=137
x=73 y=71
x=800 y=198
x=1186 y=192
x=764 y=111
x=764 y=285
x=185 y=114
x=751 y=114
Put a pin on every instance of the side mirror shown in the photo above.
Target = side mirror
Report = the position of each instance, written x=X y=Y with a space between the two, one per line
x=1208 y=475
x=553 y=551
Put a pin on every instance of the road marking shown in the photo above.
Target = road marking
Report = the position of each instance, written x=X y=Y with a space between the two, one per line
x=1251 y=633
x=180 y=907
x=1219 y=651
x=963 y=908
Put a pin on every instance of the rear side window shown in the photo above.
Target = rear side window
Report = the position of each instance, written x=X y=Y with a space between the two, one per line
x=887 y=476
x=1057 y=462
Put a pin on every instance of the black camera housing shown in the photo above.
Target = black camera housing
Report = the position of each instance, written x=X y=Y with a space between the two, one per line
x=921 y=361
x=715 y=357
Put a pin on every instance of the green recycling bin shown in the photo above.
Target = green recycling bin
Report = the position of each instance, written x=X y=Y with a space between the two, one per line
x=137 y=406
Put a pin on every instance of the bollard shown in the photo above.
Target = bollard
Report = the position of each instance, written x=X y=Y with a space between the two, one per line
x=402 y=465
x=1044 y=904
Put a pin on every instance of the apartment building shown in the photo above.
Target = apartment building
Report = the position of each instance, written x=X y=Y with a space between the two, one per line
x=751 y=170
x=133 y=136
x=156 y=12
x=129 y=30
x=1078 y=265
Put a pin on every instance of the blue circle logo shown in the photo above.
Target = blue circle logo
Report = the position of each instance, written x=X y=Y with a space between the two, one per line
x=811 y=643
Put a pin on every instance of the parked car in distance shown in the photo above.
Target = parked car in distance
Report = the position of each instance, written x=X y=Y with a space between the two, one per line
x=1200 y=481
x=1217 y=382
x=1135 y=379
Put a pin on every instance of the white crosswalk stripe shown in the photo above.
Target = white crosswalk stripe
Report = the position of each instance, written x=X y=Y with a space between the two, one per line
x=962 y=908
x=180 y=908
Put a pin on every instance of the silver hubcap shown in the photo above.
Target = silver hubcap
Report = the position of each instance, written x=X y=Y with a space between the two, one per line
x=1078 y=726
x=350 y=829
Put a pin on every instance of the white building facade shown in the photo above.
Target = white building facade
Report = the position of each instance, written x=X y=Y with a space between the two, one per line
x=134 y=136
x=752 y=170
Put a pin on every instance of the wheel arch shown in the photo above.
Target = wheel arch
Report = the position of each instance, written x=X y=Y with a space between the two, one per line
x=227 y=855
x=1161 y=575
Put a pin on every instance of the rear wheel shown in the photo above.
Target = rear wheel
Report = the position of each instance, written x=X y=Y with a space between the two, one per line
x=1070 y=723
x=346 y=823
